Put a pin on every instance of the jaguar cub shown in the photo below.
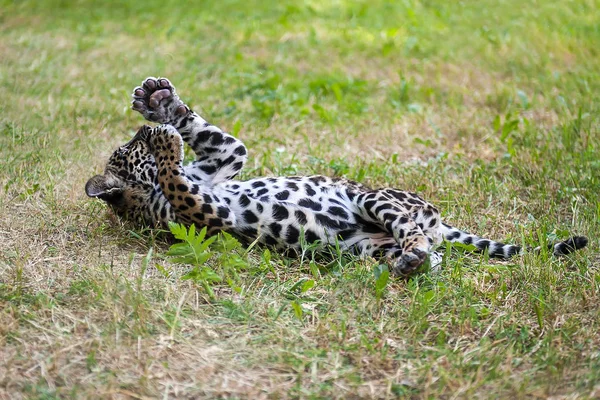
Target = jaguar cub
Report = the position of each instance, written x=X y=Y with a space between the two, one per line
x=146 y=180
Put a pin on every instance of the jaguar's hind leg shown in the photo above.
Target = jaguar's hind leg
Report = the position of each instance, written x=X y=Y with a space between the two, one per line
x=401 y=262
x=412 y=222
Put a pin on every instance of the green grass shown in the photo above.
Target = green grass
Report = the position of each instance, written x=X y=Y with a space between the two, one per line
x=489 y=109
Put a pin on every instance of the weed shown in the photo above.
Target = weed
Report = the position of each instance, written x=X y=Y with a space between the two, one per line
x=488 y=109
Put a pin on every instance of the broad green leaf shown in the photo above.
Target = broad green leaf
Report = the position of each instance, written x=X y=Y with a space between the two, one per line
x=297 y=309
x=307 y=285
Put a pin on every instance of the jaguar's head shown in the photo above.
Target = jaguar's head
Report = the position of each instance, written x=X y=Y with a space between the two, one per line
x=129 y=178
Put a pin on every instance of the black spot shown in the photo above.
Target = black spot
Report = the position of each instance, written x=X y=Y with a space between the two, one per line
x=257 y=184
x=280 y=213
x=403 y=220
x=397 y=194
x=301 y=217
x=222 y=212
x=183 y=123
x=308 y=203
x=366 y=226
x=262 y=191
x=215 y=222
x=317 y=179
x=389 y=216
x=346 y=234
x=291 y=185
x=226 y=161
x=244 y=200
x=483 y=244
x=513 y=250
x=468 y=240
x=452 y=235
x=427 y=212
x=370 y=203
x=182 y=187
x=309 y=190
x=195 y=189
x=327 y=222
x=350 y=194
x=171 y=187
x=201 y=137
x=207 y=209
x=163 y=213
x=240 y=151
x=311 y=236
x=275 y=228
x=229 y=139
x=388 y=226
x=217 y=139
x=207 y=198
x=292 y=235
x=432 y=222
x=237 y=165
x=338 y=212
x=250 y=217
x=183 y=207
x=260 y=208
x=209 y=169
x=199 y=216
x=384 y=206
x=270 y=240
x=282 y=195
x=190 y=201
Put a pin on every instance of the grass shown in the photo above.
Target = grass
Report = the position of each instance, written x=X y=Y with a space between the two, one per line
x=489 y=109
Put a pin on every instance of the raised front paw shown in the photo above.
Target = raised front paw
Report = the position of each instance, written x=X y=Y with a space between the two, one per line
x=157 y=101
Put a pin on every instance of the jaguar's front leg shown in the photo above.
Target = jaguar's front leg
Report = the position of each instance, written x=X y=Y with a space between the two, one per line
x=219 y=155
x=192 y=202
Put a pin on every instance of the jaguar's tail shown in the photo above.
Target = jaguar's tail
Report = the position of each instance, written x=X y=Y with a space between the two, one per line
x=501 y=250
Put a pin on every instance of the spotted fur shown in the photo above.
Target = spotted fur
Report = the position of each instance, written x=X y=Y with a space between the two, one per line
x=146 y=180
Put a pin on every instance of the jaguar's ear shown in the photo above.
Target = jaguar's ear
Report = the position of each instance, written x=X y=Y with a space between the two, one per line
x=103 y=187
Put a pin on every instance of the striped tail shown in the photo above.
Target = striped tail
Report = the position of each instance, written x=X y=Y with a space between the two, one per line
x=501 y=250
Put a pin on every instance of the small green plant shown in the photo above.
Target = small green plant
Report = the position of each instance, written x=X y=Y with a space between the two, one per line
x=193 y=249
x=196 y=249
x=382 y=277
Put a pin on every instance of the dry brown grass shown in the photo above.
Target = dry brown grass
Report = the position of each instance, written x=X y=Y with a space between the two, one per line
x=81 y=318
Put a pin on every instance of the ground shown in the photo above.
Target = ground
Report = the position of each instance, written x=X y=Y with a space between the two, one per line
x=488 y=109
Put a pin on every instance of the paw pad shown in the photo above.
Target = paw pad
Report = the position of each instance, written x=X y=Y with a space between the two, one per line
x=157 y=101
